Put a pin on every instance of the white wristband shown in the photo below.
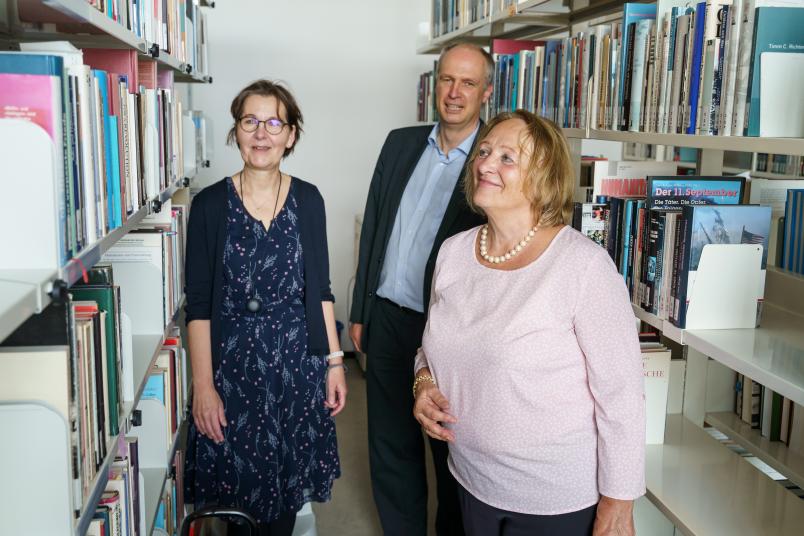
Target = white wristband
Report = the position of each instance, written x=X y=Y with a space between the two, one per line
x=333 y=355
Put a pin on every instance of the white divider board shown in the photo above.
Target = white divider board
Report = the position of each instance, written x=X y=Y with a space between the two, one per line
x=138 y=269
x=152 y=434
x=35 y=496
x=727 y=287
x=29 y=203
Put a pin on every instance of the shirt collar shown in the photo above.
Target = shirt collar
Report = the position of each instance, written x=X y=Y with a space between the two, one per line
x=465 y=146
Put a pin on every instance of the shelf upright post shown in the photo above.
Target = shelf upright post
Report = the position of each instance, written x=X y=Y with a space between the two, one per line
x=710 y=162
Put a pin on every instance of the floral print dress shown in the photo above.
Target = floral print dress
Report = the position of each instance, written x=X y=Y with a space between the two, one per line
x=279 y=450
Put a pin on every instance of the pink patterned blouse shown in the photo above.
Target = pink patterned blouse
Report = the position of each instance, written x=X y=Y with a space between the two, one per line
x=542 y=369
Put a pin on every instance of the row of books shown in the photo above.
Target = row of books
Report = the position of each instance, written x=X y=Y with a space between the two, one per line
x=178 y=27
x=451 y=15
x=792 y=250
x=79 y=355
x=171 y=509
x=776 y=417
x=657 y=241
x=781 y=164
x=425 y=103
x=115 y=124
x=167 y=384
x=121 y=509
x=665 y=68
x=656 y=364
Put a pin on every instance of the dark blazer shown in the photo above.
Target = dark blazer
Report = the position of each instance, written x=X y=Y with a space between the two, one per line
x=203 y=268
x=398 y=158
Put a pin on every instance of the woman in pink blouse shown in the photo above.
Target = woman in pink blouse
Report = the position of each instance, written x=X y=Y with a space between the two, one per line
x=530 y=365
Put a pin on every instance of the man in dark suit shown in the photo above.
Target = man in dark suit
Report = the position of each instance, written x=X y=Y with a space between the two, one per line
x=415 y=201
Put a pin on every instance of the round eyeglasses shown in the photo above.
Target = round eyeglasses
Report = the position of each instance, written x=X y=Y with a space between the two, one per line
x=251 y=124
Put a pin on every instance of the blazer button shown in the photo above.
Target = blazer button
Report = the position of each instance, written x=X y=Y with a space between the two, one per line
x=371 y=294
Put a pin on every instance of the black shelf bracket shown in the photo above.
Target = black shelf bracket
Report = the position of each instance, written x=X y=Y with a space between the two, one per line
x=185 y=182
x=58 y=293
x=209 y=79
x=136 y=417
x=154 y=51
x=156 y=206
x=188 y=69
x=206 y=163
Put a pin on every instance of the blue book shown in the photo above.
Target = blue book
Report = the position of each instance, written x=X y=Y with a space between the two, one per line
x=115 y=200
x=793 y=244
x=155 y=387
x=631 y=13
x=695 y=80
x=112 y=192
x=776 y=29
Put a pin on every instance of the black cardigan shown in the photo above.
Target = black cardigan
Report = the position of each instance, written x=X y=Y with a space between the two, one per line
x=203 y=268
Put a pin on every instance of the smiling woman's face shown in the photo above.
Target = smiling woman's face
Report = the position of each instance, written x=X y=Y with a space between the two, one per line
x=499 y=167
x=259 y=149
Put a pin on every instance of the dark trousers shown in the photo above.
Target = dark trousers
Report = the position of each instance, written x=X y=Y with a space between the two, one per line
x=396 y=443
x=481 y=519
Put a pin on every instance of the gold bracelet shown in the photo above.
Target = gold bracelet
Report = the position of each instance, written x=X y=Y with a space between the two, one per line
x=420 y=379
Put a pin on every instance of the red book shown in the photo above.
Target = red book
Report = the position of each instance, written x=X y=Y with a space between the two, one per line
x=123 y=62
x=147 y=73
x=512 y=46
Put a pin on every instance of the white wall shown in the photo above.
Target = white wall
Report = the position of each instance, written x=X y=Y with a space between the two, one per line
x=353 y=67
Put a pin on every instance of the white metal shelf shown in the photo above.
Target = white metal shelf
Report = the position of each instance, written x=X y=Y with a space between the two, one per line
x=540 y=15
x=665 y=326
x=792 y=146
x=772 y=354
x=774 y=453
x=97 y=30
x=154 y=478
x=146 y=349
x=23 y=293
x=708 y=490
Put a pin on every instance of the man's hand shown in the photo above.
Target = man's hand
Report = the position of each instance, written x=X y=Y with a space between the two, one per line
x=356 y=334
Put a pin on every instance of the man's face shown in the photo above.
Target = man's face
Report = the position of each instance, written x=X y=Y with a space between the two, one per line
x=461 y=88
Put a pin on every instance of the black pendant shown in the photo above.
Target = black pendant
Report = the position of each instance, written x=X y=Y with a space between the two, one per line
x=253 y=305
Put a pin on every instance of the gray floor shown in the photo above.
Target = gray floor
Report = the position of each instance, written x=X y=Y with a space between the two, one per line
x=351 y=511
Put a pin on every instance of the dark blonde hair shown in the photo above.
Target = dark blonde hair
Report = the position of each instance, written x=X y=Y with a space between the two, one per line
x=547 y=176
x=267 y=88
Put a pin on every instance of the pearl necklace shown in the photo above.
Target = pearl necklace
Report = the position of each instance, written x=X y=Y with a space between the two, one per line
x=484 y=251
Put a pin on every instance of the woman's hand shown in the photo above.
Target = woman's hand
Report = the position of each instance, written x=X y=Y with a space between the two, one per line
x=336 y=390
x=614 y=518
x=208 y=413
x=430 y=408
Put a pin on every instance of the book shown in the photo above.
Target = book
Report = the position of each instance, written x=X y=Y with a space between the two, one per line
x=656 y=370
x=776 y=29
x=717 y=224
x=674 y=193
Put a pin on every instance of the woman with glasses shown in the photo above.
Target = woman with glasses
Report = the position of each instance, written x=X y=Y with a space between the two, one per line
x=268 y=373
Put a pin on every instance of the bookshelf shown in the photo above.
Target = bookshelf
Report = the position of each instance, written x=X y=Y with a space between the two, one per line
x=33 y=282
x=96 y=30
x=705 y=489
x=699 y=485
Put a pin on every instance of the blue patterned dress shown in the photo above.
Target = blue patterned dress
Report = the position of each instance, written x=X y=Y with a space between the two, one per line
x=279 y=450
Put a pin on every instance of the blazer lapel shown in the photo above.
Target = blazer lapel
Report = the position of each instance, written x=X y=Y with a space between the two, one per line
x=409 y=155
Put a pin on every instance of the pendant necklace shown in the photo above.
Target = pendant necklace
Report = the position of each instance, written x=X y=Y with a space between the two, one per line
x=253 y=304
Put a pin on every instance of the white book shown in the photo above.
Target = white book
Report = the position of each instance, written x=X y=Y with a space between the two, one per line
x=638 y=72
x=730 y=71
x=656 y=369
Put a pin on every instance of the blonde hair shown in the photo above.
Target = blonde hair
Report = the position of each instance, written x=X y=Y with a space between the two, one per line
x=547 y=177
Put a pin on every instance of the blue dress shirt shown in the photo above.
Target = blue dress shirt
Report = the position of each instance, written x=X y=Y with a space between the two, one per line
x=417 y=221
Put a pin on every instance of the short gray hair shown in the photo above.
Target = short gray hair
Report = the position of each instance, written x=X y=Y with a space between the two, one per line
x=477 y=48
